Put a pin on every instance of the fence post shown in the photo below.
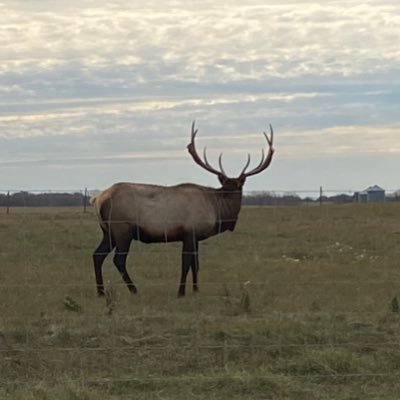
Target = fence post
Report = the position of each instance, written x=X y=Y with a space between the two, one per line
x=85 y=201
x=320 y=195
x=8 y=202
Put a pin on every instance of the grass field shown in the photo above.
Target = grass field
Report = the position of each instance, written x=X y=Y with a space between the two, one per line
x=297 y=303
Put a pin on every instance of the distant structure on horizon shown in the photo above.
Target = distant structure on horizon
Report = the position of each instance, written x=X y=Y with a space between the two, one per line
x=373 y=194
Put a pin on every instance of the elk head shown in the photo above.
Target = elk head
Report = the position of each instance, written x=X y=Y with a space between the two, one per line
x=232 y=184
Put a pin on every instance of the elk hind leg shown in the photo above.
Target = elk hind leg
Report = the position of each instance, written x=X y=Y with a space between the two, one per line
x=120 y=256
x=103 y=249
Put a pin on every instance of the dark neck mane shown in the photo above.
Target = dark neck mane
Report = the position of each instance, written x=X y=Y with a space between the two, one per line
x=228 y=206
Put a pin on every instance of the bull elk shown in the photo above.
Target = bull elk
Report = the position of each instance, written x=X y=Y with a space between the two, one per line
x=186 y=213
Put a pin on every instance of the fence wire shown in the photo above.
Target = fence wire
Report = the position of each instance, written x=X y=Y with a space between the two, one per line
x=307 y=293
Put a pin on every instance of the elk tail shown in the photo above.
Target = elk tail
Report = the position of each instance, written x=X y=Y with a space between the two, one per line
x=97 y=205
x=92 y=200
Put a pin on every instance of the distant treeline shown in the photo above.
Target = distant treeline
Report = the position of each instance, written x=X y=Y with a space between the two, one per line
x=271 y=198
x=80 y=199
x=29 y=199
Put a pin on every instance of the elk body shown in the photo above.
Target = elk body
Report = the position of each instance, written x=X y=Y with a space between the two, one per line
x=187 y=213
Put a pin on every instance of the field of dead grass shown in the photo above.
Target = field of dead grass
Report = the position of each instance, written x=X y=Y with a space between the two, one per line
x=297 y=303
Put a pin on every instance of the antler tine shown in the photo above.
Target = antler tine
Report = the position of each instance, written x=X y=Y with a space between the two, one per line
x=270 y=140
x=194 y=132
x=247 y=165
x=193 y=152
x=262 y=158
x=219 y=161
x=205 y=158
x=220 y=164
x=265 y=161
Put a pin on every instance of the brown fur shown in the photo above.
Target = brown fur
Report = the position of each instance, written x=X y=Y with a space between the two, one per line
x=162 y=213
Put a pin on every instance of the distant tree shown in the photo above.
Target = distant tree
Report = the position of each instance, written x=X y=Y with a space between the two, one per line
x=394 y=196
x=268 y=198
x=27 y=199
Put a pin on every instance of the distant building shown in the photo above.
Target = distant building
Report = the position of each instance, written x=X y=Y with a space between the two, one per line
x=361 y=197
x=373 y=194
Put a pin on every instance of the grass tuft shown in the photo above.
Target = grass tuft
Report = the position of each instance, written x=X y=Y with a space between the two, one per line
x=72 y=305
x=395 y=306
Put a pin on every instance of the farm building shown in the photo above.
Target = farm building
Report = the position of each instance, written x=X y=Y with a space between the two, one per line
x=373 y=194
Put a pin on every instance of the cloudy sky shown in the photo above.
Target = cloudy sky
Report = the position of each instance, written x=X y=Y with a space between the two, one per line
x=95 y=92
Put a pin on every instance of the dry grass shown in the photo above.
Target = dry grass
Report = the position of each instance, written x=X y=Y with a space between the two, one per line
x=298 y=303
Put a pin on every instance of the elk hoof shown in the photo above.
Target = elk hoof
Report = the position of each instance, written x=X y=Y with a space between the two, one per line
x=133 y=290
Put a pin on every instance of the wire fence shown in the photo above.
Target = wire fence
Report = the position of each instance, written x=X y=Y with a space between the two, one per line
x=303 y=293
x=81 y=197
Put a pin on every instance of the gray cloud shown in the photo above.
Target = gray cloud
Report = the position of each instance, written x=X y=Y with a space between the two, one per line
x=107 y=85
x=220 y=43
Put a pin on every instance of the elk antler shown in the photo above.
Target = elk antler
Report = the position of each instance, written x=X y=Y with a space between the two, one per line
x=264 y=163
x=204 y=164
